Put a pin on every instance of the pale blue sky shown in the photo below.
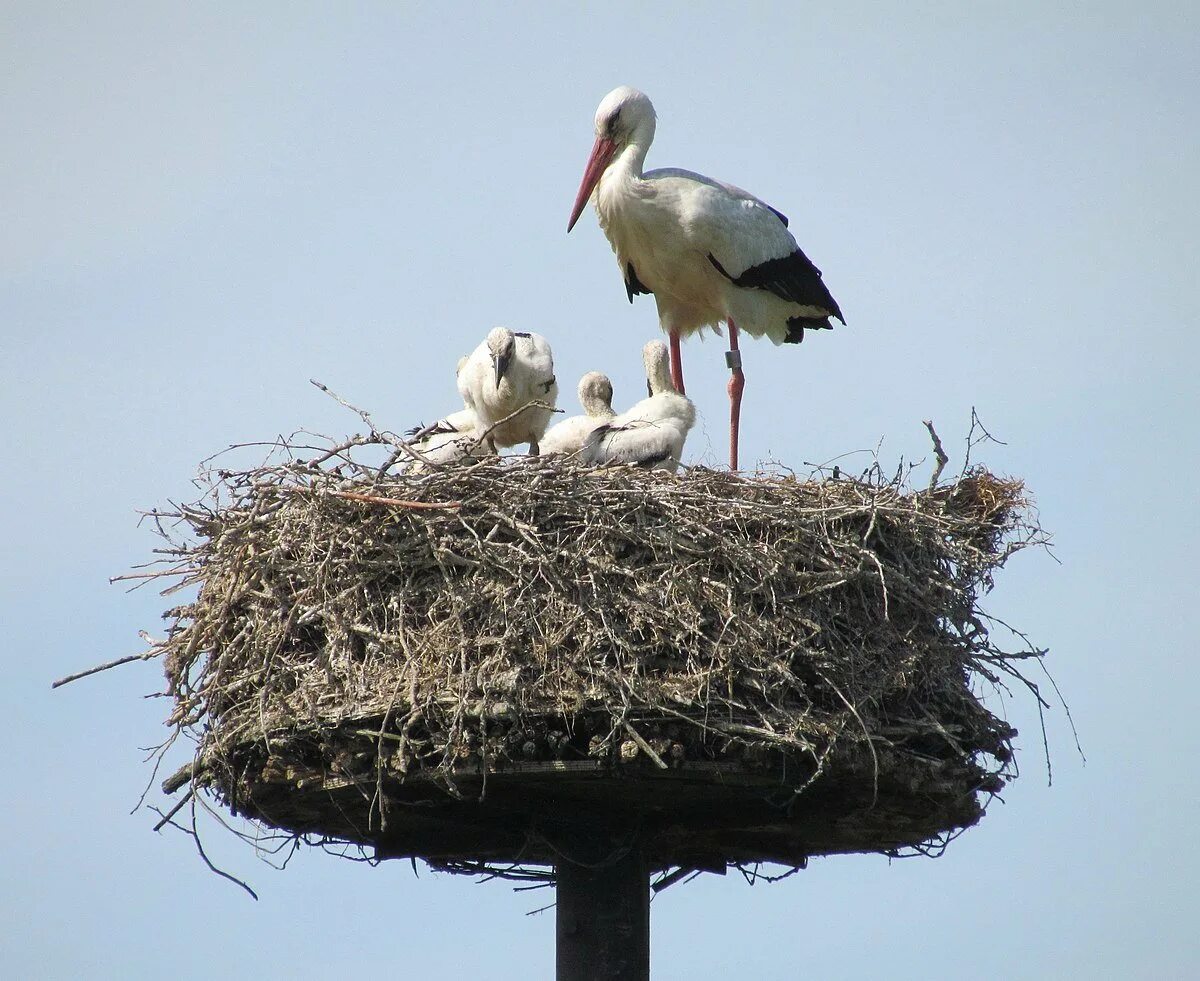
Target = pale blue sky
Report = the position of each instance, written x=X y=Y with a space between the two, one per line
x=200 y=209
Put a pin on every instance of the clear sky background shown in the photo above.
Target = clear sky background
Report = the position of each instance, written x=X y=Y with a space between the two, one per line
x=200 y=209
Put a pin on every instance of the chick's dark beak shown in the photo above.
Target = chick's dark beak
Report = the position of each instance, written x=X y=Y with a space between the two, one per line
x=500 y=363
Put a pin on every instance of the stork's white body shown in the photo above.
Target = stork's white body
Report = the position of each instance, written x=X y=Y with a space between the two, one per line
x=665 y=224
x=595 y=395
x=452 y=440
x=506 y=372
x=652 y=433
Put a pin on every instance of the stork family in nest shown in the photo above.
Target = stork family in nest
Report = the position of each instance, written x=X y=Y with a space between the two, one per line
x=710 y=253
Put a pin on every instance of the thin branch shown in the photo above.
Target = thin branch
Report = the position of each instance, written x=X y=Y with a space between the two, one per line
x=362 y=413
x=144 y=656
x=179 y=805
x=396 y=502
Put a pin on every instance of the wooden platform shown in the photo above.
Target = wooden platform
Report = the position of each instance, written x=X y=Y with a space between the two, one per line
x=701 y=814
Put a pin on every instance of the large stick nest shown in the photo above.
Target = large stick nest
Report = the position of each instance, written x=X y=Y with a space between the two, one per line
x=544 y=622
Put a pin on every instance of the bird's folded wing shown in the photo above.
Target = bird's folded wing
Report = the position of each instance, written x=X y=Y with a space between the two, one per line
x=793 y=277
x=637 y=442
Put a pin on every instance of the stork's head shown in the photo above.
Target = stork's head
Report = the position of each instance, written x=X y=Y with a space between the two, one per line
x=501 y=343
x=658 y=368
x=595 y=394
x=625 y=116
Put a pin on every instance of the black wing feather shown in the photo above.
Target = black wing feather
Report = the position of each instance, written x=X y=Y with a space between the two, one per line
x=633 y=285
x=793 y=277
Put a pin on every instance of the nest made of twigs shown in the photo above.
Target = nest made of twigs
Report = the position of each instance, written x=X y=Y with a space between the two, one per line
x=399 y=638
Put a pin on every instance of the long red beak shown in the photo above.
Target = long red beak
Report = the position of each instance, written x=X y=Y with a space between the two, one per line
x=602 y=154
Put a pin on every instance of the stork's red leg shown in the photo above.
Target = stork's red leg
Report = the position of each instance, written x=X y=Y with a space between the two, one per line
x=676 y=363
x=733 y=358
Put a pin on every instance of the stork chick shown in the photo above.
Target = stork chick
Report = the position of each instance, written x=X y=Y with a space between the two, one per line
x=595 y=395
x=651 y=434
x=505 y=373
x=451 y=440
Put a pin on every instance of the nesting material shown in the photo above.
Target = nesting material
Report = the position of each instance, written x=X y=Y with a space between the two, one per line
x=744 y=669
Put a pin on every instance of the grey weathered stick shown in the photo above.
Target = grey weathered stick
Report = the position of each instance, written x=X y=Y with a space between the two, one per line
x=144 y=656
x=942 y=459
x=179 y=778
x=396 y=502
x=646 y=748
x=362 y=413
x=376 y=499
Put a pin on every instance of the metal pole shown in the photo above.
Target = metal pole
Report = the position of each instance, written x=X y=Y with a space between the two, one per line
x=604 y=920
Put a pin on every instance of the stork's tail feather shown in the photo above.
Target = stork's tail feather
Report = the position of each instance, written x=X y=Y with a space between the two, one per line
x=796 y=326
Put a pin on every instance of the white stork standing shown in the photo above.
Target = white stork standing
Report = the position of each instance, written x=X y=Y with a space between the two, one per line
x=501 y=376
x=651 y=434
x=708 y=251
x=595 y=395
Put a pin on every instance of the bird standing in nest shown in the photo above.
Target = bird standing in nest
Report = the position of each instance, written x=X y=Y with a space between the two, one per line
x=708 y=251
x=503 y=375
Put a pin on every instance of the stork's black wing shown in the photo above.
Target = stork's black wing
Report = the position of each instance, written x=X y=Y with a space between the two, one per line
x=793 y=278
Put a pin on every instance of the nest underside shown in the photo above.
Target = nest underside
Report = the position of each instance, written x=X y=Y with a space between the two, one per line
x=540 y=644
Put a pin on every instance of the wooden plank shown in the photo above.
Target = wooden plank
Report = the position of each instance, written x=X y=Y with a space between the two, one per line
x=603 y=920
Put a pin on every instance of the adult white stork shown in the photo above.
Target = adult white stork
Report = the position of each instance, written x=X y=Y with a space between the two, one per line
x=708 y=251
x=595 y=395
x=651 y=434
x=502 y=376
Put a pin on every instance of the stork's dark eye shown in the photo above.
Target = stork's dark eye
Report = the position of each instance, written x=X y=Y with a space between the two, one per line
x=613 y=121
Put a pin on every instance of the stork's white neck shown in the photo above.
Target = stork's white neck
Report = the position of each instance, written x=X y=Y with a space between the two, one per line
x=658 y=370
x=627 y=165
x=595 y=406
x=633 y=155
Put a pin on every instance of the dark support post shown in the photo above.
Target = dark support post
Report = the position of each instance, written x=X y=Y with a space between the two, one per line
x=604 y=920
